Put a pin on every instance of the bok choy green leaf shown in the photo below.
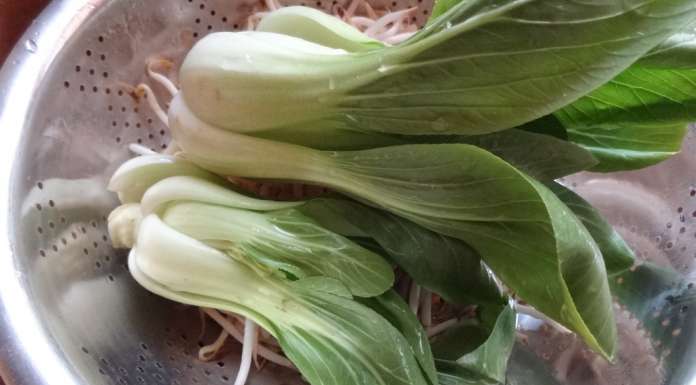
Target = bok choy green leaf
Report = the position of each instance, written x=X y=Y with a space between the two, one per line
x=331 y=339
x=478 y=348
x=393 y=308
x=530 y=239
x=637 y=119
x=640 y=117
x=434 y=261
x=481 y=66
x=617 y=255
x=676 y=53
x=542 y=156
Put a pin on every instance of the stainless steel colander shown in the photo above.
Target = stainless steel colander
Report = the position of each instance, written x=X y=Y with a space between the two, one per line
x=71 y=314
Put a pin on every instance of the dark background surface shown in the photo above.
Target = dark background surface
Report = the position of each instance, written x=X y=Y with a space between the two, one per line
x=15 y=17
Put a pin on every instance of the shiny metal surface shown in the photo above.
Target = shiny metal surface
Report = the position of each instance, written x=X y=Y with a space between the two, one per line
x=69 y=311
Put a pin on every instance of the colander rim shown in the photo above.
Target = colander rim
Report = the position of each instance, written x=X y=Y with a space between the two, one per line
x=28 y=351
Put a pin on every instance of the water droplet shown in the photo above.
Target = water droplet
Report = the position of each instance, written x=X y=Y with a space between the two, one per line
x=30 y=45
x=332 y=84
x=448 y=25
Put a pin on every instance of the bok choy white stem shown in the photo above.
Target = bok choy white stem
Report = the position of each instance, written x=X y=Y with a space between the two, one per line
x=285 y=240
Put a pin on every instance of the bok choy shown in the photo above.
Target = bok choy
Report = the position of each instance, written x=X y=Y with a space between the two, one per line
x=481 y=66
x=330 y=338
x=516 y=224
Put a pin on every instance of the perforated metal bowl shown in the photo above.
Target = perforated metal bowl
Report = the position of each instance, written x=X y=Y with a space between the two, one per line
x=69 y=311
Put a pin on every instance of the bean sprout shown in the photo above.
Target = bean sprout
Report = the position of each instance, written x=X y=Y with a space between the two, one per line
x=144 y=90
x=254 y=19
x=389 y=18
x=426 y=305
x=208 y=352
x=399 y=38
x=414 y=297
x=272 y=5
x=161 y=79
x=202 y=319
x=361 y=22
x=172 y=148
x=369 y=10
x=255 y=350
x=247 y=348
x=139 y=149
x=236 y=334
x=441 y=327
x=393 y=30
x=389 y=27
x=530 y=311
x=352 y=8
